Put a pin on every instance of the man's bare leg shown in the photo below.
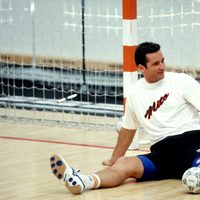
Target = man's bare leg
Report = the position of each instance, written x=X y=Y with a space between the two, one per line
x=123 y=168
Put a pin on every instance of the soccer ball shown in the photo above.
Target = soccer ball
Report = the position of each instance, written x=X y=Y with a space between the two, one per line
x=191 y=180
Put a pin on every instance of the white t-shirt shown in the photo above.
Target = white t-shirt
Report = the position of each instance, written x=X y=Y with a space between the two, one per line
x=167 y=107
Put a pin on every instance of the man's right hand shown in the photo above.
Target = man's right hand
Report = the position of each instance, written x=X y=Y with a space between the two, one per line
x=108 y=162
x=123 y=142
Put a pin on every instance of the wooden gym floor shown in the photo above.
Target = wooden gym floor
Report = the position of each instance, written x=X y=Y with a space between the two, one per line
x=25 y=173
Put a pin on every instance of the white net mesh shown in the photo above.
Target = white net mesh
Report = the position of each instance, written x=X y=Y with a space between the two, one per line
x=51 y=50
x=61 y=61
x=175 y=24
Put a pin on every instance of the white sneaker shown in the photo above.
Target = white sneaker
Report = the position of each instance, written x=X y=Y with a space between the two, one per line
x=66 y=174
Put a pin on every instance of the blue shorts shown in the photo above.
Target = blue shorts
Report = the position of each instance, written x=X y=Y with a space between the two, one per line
x=171 y=157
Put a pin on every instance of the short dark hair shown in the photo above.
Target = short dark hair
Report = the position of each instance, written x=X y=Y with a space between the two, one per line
x=143 y=49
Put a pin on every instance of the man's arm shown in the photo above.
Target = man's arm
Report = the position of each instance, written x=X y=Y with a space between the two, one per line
x=123 y=142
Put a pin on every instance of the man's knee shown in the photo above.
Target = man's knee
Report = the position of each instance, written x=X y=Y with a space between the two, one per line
x=131 y=166
x=122 y=160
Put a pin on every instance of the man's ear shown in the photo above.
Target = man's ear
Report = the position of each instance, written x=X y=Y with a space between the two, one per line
x=141 y=68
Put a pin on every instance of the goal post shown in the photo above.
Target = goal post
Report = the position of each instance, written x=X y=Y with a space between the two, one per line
x=130 y=39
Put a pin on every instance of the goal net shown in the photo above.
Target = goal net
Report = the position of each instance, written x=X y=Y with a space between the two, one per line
x=175 y=24
x=61 y=61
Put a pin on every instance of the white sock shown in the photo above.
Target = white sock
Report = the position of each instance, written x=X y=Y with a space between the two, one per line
x=97 y=181
x=91 y=182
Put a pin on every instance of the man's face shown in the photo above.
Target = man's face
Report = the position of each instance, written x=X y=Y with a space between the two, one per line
x=155 y=66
